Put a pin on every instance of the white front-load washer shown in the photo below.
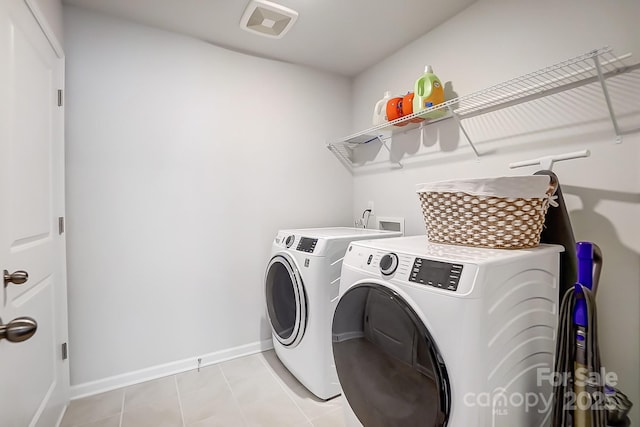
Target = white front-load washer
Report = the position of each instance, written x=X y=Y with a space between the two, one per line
x=439 y=335
x=302 y=282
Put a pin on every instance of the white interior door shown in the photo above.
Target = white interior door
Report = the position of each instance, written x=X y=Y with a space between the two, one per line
x=34 y=379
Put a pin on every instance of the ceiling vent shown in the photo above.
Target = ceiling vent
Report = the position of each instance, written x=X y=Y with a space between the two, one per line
x=268 y=19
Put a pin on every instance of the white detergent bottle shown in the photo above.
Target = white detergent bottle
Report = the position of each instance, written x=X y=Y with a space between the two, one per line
x=380 y=110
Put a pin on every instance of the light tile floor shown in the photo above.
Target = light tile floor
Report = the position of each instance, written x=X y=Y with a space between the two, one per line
x=250 y=391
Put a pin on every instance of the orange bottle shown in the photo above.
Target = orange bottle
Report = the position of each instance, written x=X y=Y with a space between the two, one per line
x=407 y=108
x=394 y=110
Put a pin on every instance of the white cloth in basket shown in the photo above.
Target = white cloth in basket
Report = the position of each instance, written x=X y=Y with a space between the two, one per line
x=512 y=187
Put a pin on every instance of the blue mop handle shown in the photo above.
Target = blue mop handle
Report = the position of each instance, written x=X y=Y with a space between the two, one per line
x=584 y=252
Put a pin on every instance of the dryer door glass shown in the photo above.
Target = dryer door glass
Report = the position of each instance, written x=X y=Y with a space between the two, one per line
x=388 y=365
x=286 y=300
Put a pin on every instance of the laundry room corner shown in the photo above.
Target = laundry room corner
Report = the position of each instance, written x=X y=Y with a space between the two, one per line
x=469 y=54
x=183 y=161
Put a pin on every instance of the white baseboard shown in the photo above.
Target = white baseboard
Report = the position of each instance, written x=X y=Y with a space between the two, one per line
x=111 y=383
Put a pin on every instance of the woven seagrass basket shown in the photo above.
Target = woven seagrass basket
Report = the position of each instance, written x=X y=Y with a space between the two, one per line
x=460 y=218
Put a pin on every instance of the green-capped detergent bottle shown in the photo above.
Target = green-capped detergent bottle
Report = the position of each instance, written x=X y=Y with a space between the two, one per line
x=428 y=92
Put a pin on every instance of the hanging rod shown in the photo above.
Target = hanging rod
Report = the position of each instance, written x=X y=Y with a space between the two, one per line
x=547 y=161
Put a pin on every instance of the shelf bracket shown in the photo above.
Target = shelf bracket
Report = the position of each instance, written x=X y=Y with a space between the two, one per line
x=464 y=131
x=384 y=144
x=605 y=91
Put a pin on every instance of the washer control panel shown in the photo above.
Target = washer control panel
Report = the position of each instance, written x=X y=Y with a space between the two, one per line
x=438 y=274
x=307 y=245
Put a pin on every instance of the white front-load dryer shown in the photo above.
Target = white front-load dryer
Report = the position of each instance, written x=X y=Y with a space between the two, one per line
x=439 y=335
x=302 y=281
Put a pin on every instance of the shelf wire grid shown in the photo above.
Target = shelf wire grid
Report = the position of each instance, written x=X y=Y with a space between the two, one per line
x=343 y=153
x=572 y=72
x=559 y=77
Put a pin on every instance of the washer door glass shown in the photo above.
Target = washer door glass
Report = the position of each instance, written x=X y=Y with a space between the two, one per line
x=286 y=300
x=388 y=365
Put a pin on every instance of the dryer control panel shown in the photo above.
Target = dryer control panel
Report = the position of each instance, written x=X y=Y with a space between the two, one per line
x=438 y=274
x=307 y=245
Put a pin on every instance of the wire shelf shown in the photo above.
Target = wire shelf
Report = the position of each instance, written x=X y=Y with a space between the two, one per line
x=565 y=75
x=593 y=66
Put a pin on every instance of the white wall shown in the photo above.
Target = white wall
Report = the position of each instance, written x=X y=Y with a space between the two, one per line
x=52 y=12
x=493 y=41
x=183 y=160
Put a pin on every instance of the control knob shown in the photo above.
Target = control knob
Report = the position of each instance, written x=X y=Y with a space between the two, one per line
x=388 y=264
x=289 y=241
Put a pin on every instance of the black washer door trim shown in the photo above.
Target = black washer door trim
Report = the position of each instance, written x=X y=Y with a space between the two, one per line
x=286 y=300
x=390 y=369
